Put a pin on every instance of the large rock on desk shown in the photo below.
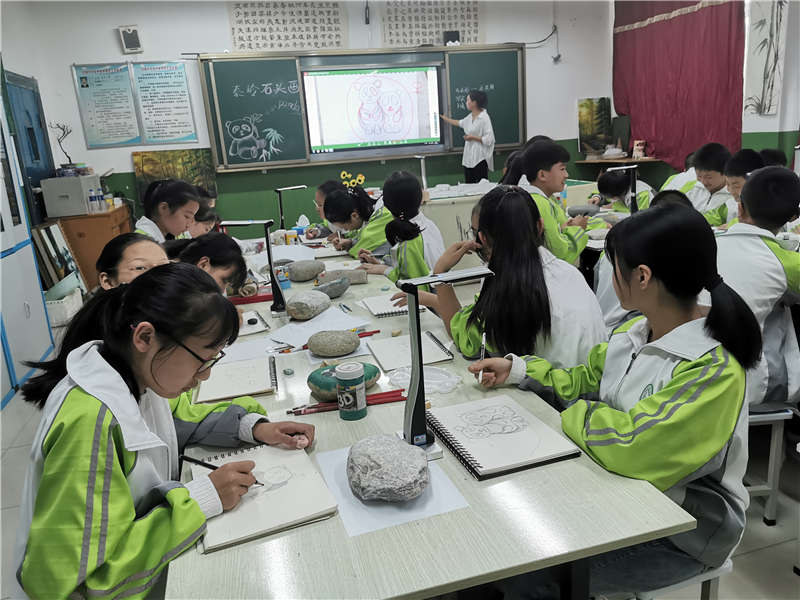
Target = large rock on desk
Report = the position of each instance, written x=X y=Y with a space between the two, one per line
x=355 y=276
x=305 y=270
x=384 y=467
x=307 y=305
x=335 y=288
x=330 y=344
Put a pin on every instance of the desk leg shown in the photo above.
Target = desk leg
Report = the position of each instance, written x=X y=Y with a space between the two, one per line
x=574 y=580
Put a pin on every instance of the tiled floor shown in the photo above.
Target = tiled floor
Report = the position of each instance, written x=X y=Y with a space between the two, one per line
x=762 y=563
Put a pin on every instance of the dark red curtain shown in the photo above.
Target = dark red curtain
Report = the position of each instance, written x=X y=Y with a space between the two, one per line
x=678 y=75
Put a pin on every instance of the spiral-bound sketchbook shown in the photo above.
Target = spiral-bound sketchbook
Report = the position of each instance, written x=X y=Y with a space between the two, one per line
x=293 y=493
x=242 y=378
x=395 y=352
x=383 y=306
x=494 y=436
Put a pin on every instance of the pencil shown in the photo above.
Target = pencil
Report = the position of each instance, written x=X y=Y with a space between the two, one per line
x=483 y=355
x=201 y=463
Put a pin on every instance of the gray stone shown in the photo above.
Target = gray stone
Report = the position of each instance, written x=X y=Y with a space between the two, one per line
x=281 y=262
x=305 y=270
x=384 y=467
x=330 y=344
x=334 y=288
x=307 y=305
x=355 y=276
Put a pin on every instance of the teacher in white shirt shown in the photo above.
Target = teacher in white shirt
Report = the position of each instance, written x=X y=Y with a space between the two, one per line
x=478 y=138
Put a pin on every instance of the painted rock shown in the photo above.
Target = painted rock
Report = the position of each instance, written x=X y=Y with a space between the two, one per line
x=322 y=382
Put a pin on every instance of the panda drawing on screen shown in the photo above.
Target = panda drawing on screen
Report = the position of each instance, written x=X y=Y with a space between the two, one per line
x=370 y=113
x=248 y=142
x=392 y=112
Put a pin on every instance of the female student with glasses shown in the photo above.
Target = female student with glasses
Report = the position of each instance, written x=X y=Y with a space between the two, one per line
x=103 y=511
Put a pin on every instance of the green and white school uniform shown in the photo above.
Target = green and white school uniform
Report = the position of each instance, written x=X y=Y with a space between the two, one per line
x=644 y=194
x=148 y=227
x=567 y=244
x=681 y=181
x=372 y=233
x=576 y=322
x=718 y=208
x=417 y=257
x=671 y=412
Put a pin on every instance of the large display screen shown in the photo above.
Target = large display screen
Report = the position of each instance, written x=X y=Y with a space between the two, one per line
x=357 y=109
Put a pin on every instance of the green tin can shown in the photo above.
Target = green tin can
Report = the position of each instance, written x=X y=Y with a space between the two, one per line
x=351 y=393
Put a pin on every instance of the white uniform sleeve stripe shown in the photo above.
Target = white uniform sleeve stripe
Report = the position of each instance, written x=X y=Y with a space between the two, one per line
x=87 y=521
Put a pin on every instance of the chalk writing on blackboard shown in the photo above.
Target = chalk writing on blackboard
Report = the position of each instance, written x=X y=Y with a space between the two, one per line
x=270 y=88
x=287 y=25
x=248 y=141
x=461 y=93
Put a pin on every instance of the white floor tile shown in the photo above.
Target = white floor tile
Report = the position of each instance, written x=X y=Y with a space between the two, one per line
x=15 y=464
x=758 y=536
x=9 y=588
x=13 y=419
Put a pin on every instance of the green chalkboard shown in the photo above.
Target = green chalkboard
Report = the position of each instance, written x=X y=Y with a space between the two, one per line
x=496 y=72
x=255 y=111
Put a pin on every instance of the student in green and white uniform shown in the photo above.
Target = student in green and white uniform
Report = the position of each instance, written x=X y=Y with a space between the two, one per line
x=323 y=228
x=103 y=511
x=737 y=168
x=216 y=254
x=205 y=219
x=534 y=302
x=672 y=408
x=416 y=243
x=613 y=189
x=544 y=163
x=169 y=209
x=355 y=211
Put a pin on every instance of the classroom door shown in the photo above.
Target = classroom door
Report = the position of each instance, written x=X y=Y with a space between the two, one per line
x=33 y=143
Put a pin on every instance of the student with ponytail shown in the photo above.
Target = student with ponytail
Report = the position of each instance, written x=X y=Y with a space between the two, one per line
x=169 y=209
x=671 y=408
x=216 y=253
x=416 y=243
x=534 y=303
x=355 y=211
x=102 y=510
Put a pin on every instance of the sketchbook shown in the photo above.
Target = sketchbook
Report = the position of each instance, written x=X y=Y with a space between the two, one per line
x=493 y=436
x=293 y=493
x=234 y=379
x=395 y=352
x=383 y=306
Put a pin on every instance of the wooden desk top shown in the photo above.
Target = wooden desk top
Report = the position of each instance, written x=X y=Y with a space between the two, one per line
x=516 y=523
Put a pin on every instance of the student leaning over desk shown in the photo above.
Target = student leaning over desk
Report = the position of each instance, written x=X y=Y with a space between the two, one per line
x=102 y=511
x=672 y=407
x=416 y=242
x=323 y=228
x=169 y=209
x=738 y=167
x=215 y=253
x=355 y=211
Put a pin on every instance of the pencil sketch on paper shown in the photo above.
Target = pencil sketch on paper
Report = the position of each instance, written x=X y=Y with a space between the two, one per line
x=273 y=478
x=250 y=142
x=491 y=420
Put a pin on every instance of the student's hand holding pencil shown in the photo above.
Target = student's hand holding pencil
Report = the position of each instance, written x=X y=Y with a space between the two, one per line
x=342 y=244
x=495 y=371
x=288 y=433
x=365 y=256
x=232 y=480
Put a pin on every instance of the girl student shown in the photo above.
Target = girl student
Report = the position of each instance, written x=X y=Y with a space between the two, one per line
x=672 y=407
x=215 y=253
x=613 y=187
x=416 y=242
x=206 y=218
x=478 y=157
x=355 y=211
x=127 y=256
x=103 y=511
x=555 y=314
x=322 y=229
x=169 y=209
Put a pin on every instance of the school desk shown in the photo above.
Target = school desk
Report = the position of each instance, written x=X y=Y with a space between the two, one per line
x=554 y=515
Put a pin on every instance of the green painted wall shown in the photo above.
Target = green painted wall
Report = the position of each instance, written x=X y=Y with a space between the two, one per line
x=785 y=140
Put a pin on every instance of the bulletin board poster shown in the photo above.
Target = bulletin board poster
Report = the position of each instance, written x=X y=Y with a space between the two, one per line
x=164 y=106
x=107 y=106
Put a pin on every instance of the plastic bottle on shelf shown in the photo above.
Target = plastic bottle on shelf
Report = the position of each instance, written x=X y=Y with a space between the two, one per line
x=90 y=201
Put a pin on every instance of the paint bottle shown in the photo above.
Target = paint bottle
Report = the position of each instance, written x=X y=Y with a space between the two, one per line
x=351 y=393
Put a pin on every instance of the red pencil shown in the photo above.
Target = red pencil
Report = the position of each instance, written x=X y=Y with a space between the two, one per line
x=372 y=400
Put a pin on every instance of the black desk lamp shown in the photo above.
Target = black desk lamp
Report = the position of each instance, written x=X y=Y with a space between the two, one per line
x=631 y=169
x=415 y=429
x=280 y=191
x=278 y=303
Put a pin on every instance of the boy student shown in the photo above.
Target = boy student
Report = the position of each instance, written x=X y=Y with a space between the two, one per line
x=774 y=156
x=738 y=167
x=766 y=275
x=709 y=195
x=544 y=163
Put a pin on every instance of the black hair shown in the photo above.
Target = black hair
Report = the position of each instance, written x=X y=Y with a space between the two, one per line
x=541 y=155
x=179 y=300
x=175 y=193
x=711 y=157
x=512 y=156
x=537 y=138
x=688 y=162
x=326 y=187
x=509 y=218
x=206 y=212
x=743 y=162
x=204 y=194
x=340 y=204
x=209 y=215
x=479 y=97
x=614 y=184
x=402 y=196
x=774 y=156
x=222 y=252
x=112 y=252
x=771 y=196
x=689 y=266
x=667 y=197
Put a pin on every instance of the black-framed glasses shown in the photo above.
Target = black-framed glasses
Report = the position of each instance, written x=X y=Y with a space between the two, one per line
x=206 y=363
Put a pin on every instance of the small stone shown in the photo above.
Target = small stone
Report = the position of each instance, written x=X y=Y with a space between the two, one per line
x=384 y=467
x=396 y=332
x=385 y=288
x=288 y=371
x=280 y=262
x=330 y=344
x=305 y=270
x=334 y=288
x=307 y=305
x=355 y=276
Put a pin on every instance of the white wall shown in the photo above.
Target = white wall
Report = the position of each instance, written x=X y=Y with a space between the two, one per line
x=42 y=39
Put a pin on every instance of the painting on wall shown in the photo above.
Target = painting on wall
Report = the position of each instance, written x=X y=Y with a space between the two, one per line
x=194 y=166
x=764 y=59
x=594 y=124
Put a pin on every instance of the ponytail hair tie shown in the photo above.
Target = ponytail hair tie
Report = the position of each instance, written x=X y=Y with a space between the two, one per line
x=715 y=281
